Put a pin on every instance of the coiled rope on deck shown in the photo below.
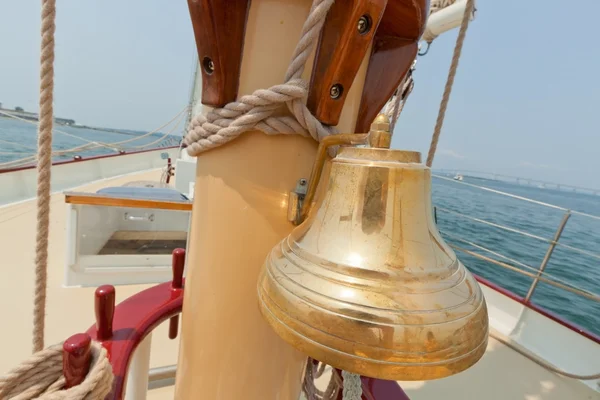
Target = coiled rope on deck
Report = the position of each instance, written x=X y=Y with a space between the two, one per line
x=41 y=377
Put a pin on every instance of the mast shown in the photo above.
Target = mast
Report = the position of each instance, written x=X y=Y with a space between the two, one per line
x=243 y=185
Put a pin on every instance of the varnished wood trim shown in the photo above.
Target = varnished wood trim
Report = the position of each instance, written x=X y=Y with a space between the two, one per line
x=391 y=59
x=149 y=235
x=219 y=30
x=394 y=49
x=404 y=19
x=340 y=52
x=92 y=199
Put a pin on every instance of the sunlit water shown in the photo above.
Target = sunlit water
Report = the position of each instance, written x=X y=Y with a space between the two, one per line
x=23 y=138
x=580 y=270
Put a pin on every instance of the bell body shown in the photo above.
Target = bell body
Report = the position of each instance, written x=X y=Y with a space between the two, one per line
x=367 y=284
x=227 y=350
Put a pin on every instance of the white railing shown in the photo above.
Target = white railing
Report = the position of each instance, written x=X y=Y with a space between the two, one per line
x=538 y=274
x=141 y=378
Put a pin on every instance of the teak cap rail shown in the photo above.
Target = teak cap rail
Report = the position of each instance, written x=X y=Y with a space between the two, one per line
x=93 y=199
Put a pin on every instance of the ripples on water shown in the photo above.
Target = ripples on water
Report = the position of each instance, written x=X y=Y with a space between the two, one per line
x=24 y=137
x=580 y=270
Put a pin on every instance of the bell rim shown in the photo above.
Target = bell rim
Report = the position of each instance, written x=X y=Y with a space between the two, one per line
x=367 y=366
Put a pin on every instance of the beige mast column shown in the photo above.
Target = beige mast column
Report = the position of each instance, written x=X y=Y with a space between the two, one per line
x=240 y=212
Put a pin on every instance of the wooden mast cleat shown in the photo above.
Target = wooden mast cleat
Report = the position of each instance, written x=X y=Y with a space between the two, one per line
x=394 y=49
x=345 y=39
x=219 y=28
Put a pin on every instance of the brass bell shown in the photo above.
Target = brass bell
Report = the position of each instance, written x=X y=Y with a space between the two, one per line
x=366 y=283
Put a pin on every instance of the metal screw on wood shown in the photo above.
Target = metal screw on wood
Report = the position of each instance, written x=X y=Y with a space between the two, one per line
x=364 y=24
x=336 y=91
x=209 y=65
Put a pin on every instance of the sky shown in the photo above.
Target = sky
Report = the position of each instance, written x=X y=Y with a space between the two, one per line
x=119 y=64
x=525 y=99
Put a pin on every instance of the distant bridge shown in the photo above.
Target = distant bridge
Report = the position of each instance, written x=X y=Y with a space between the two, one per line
x=519 y=180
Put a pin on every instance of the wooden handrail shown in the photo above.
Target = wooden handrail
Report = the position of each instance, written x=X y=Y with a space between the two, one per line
x=93 y=199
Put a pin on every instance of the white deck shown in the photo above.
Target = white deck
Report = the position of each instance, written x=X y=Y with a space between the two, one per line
x=502 y=374
x=69 y=310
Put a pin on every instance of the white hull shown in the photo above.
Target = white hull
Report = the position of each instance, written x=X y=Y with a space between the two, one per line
x=66 y=175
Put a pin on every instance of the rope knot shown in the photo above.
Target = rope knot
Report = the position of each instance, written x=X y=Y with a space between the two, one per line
x=262 y=109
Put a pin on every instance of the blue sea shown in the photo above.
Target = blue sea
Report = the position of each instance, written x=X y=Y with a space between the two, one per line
x=581 y=270
x=566 y=264
x=23 y=138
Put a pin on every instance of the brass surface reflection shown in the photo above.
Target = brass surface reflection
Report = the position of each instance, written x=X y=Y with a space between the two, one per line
x=367 y=284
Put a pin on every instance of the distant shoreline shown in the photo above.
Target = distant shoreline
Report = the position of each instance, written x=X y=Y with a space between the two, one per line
x=19 y=112
x=111 y=130
x=29 y=116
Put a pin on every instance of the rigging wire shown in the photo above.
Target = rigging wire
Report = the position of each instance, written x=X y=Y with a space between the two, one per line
x=91 y=145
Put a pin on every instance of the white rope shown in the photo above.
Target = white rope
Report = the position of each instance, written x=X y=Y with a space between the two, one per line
x=352 y=386
x=256 y=111
x=437 y=5
x=394 y=106
x=349 y=383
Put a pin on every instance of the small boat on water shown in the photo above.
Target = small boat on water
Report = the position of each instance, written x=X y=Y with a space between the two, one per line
x=308 y=262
